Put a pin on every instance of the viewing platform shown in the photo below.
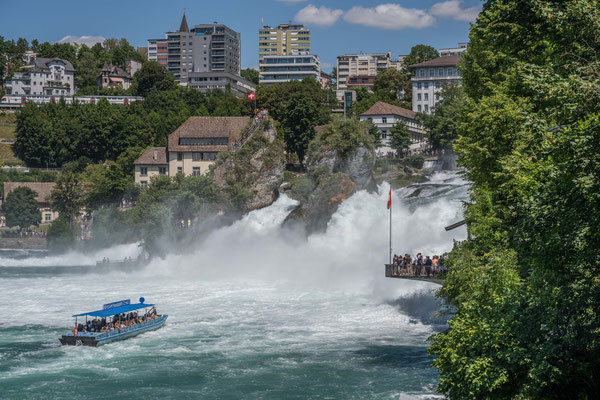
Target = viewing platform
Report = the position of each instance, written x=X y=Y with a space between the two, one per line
x=389 y=273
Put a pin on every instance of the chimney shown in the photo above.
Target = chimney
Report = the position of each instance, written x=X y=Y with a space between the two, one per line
x=155 y=155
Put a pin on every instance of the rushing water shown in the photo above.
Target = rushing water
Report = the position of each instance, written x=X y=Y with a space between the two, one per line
x=254 y=311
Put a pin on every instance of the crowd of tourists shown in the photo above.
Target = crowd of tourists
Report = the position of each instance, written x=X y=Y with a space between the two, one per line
x=119 y=322
x=422 y=266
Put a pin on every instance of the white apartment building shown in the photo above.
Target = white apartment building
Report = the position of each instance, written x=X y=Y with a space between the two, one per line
x=361 y=65
x=43 y=76
x=429 y=76
x=454 y=51
x=384 y=116
x=295 y=67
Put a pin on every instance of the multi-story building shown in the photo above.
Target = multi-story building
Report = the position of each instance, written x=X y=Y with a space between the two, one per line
x=207 y=81
x=191 y=148
x=428 y=78
x=157 y=51
x=205 y=48
x=454 y=51
x=112 y=76
x=384 y=116
x=132 y=66
x=295 y=67
x=43 y=76
x=286 y=39
x=363 y=65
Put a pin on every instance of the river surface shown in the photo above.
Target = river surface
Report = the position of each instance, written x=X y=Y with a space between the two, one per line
x=255 y=312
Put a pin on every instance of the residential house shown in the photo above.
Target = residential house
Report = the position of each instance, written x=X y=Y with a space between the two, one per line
x=44 y=77
x=191 y=149
x=112 y=76
x=43 y=191
x=384 y=116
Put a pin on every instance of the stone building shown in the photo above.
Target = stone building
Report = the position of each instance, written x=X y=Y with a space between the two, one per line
x=384 y=116
x=43 y=191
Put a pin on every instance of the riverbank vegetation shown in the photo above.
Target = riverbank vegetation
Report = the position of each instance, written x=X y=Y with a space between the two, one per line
x=526 y=284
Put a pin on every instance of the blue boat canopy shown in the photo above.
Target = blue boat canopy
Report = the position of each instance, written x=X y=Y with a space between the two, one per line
x=115 y=310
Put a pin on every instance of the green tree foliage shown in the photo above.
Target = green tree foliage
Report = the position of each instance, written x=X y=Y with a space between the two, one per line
x=250 y=74
x=67 y=197
x=525 y=287
x=55 y=134
x=299 y=123
x=442 y=125
x=418 y=54
x=400 y=136
x=343 y=135
x=152 y=77
x=391 y=86
x=276 y=98
x=21 y=208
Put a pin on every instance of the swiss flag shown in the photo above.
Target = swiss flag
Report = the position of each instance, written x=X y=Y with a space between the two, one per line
x=252 y=96
x=74 y=331
x=390 y=199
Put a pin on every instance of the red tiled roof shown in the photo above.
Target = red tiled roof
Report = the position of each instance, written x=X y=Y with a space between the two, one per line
x=153 y=156
x=42 y=189
x=446 y=61
x=208 y=127
x=381 y=108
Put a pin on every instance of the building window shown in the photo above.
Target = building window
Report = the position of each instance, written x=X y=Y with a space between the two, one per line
x=449 y=71
x=180 y=170
x=144 y=171
x=196 y=171
x=426 y=96
x=437 y=84
x=144 y=184
x=384 y=135
x=419 y=85
x=384 y=120
x=426 y=85
x=419 y=96
x=162 y=170
x=179 y=156
x=426 y=108
x=432 y=72
x=440 y=72
x=419 y=108
x=48 y=217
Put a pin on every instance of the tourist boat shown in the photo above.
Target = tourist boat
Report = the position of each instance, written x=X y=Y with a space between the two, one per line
x=111 y=314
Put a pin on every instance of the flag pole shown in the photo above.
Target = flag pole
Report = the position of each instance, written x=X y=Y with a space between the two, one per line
x=390 y=226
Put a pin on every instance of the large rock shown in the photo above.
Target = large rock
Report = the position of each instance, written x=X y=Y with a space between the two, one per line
x=316 y=210
x=357 y=165
x=254 y=173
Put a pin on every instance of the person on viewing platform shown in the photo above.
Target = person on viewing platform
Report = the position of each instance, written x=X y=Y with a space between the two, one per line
x=428 y=264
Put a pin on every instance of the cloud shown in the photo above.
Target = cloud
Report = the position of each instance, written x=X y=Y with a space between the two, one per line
x=291 y=1
x=389 y=16
x=87 y=40
x=451 y=9
x=322 y=16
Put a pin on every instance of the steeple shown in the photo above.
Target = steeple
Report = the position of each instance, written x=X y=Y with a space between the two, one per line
x=184 y=25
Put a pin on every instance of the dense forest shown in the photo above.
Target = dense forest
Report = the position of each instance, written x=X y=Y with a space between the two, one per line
x=526 y=284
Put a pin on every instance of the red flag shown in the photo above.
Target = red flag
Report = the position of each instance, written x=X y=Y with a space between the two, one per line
x=390 y=199
x=252 y=96
x=74 y=331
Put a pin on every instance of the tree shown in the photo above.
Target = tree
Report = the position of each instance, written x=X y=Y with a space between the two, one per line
x=400 y=136
x=442 y=126
x=418 y=54
x=67 y=197
x=299 y=123
x=88 y=69
x=152 y=77
x=21 y=208
x=250 y=74
x=334 y=73
x=524 y=287
x=394 y=85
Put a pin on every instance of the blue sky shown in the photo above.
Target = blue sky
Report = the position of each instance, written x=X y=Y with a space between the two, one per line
x=337 y=26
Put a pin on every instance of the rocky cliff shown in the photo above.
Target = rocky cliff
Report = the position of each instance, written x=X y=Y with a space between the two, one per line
x=252 y=175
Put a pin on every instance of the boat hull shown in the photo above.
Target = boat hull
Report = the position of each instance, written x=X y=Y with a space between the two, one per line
x=99 y=339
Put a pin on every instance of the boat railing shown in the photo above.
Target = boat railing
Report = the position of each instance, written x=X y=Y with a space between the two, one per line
x=114 y=332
